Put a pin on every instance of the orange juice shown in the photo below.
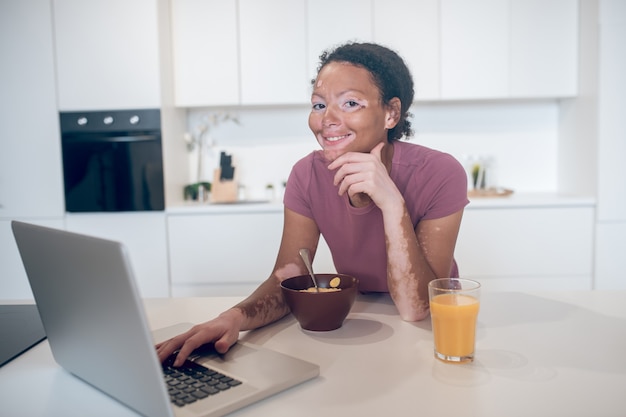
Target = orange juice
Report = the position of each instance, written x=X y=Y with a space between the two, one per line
x=454 y=325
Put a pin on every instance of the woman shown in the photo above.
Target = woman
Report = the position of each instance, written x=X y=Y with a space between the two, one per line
x=390 y=211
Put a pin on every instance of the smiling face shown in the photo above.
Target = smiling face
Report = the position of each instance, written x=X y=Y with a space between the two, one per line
x=347 y=113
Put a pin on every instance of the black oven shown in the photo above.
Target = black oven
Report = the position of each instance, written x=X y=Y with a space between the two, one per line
x=112 y=160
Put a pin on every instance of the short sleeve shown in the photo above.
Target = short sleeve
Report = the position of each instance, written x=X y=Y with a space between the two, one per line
x=296 y=196
x=448 y=187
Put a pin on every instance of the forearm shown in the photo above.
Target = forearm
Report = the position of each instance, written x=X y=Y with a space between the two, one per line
x=264 y=306
x=408 y=271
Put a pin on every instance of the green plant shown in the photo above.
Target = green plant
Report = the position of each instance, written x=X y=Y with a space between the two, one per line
x=191 y=190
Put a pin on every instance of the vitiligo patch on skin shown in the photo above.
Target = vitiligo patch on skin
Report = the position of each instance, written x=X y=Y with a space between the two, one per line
x=287 y=271
x=405 y=287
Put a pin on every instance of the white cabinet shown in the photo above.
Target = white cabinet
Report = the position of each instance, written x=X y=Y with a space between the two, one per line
x=143 y=234
x=227 y=253
x=611 y=227
x=544 y=48
x=13 y=281
x=247 y=52
x=612 y=105
x=414 y=33
x=273 y=55
x=31 y=173
x=107 y=54
x=205 y=52
x=523 y=243
x=474 y=49
x=527 y=248
x=509 y=49
x=610 y=262
x=319 y=23
x=483 y=49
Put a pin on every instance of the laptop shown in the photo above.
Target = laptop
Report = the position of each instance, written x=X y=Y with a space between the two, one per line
x=95 y=322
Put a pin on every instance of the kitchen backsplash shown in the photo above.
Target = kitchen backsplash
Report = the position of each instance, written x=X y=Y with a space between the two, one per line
x=520 y=139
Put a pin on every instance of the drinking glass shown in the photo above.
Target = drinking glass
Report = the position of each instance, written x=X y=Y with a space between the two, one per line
x=454 y=305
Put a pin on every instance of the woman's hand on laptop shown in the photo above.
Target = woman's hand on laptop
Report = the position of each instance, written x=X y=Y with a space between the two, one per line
x=222 y=331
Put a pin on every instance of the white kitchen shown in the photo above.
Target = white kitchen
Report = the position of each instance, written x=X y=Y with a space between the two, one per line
x=211 y=99
x=534 y=87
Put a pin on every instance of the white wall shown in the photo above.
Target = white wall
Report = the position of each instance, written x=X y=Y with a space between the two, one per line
x=521 y=138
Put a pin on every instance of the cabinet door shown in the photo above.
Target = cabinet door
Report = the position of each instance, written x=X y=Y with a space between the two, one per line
x=474 y=49
x=527 y=248
x=143 y=234
x=610 y=262
x=107 y=54
x=544 y=48
x=228 y=253
x=223 y=248
x=612 y=105
x=13 y=282
x=31 y=173
x=414 y=34
x=205 y=51
x=273 y=53
x=350 y=20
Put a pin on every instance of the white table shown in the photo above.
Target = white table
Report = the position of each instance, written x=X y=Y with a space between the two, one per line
x=538 y=354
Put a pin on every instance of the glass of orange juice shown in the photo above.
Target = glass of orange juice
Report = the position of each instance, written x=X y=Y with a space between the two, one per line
x=454 y=304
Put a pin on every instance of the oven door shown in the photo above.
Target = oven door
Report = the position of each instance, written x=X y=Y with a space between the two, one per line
x=120 y=172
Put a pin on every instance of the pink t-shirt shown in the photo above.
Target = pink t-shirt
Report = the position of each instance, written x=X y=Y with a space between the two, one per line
x=433 y=184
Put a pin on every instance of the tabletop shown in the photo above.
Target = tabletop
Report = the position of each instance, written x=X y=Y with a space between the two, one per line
x=537 y=354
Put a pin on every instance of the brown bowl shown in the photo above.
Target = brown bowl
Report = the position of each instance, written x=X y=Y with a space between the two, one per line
x=321 y=311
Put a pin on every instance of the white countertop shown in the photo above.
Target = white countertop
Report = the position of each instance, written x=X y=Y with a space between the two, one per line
x=538 y=354
x=220 y=208
x=532 y=200
x=521 y=200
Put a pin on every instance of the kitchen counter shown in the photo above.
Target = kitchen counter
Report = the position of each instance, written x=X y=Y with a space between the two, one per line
x=532 y=200
x=218 y=208
x=521 y=200
x=537 y=354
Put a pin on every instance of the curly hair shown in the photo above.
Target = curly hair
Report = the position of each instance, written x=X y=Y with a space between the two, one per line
x=389 y=73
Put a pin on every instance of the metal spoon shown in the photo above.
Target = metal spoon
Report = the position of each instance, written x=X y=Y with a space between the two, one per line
x=306 y=257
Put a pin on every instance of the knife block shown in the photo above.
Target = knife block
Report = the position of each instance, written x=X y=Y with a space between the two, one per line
x=223 y=191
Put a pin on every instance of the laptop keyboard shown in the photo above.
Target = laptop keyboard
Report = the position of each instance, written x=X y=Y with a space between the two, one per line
x=192 y=382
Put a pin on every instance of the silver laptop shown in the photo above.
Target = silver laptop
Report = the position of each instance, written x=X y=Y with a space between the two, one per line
x=97 y=330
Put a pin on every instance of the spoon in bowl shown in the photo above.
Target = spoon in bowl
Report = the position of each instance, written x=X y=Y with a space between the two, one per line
x=306 y=257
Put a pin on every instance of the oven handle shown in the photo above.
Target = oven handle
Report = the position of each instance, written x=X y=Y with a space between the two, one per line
x=110 y=138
